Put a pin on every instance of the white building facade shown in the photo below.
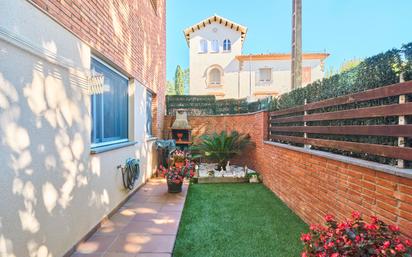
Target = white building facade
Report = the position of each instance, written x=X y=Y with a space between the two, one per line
x=218 y=67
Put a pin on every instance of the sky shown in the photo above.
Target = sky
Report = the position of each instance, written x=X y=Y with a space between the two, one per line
x=346 y=29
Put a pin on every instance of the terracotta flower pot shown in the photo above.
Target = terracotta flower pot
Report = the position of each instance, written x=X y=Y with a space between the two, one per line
x=173 y=187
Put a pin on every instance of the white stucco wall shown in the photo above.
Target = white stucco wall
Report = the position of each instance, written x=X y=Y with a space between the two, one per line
x=200 y=62
x=281 y=76
x=239 y=79
x=53 y=191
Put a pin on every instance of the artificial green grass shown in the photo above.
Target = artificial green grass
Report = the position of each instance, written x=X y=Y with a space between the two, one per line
x=237 y=220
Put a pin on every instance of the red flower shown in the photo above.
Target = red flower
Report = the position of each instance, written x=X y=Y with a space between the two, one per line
x=386 y=245
x=352 y=237
x=374 y=219
x=329 y=218
x=305 y=237
x=400 y=248
x=393 y=228
x=371 y=227
x=356 y=215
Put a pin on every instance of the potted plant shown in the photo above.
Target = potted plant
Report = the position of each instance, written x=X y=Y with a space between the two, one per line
x=178 y=158
x=221 y=147
x=253 y=177
x=175 y=176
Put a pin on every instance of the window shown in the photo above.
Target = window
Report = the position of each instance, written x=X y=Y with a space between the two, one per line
x=215 y=46
x=215 y=76
x=265 y=75
x=227 y=45
x=203 y=46
x=109 y=109
x=149 y=99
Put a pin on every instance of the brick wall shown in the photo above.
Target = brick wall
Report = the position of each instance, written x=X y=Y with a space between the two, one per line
x=252 y=124
x=313 y=186
x=129 y=33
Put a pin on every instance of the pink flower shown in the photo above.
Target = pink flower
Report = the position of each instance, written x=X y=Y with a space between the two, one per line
x=329 y=218
x=356 y=215
x=386 y=245
x=393 y=228
x=408 y=242
x=305 y=237
x=371 y=226
x=304 y=254
x=374 y=219
x=400 y=248
x=335 y=255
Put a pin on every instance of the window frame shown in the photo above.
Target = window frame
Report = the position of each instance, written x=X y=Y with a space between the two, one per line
x=211 y=83
x=215 y=43
x=270 y=74
x=227 y=45
x=149 y=127
x=93 y=100
x=203 y=46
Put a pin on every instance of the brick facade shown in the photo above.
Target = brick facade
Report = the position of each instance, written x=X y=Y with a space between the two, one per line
x=313 y=186
x=129 y=33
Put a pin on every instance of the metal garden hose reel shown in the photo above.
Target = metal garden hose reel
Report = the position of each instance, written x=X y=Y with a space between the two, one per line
x=130 y=172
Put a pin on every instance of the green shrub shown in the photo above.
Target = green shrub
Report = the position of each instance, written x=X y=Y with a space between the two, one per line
x=221 y=147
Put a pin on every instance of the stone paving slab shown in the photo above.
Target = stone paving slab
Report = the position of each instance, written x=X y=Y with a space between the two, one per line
x=145 y=226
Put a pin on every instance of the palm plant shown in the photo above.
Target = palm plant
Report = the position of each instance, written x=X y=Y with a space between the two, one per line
x=221 y=147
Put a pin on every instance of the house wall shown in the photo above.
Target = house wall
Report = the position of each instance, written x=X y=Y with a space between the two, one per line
x=281 y=76
x=129 y=33
x=240 y=79
x=53 y=190
x=200 y=62
x=314 y=183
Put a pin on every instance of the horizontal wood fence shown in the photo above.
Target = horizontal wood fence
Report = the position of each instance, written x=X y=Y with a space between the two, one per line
x=285 y=121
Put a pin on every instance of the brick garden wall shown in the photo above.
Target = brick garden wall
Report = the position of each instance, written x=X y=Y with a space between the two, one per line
x=252 y=124
x=129 y=33
x=313 y=186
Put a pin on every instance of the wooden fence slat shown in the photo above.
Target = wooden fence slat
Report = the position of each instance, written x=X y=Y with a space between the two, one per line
x=403 y=88
x=288 y=111
x=369 y=112
x=371 y=130
x=404 y=153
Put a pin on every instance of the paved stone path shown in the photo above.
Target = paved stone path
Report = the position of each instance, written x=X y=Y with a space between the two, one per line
x=146 y=226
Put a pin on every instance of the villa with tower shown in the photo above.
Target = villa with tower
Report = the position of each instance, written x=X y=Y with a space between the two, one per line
x=218 y=67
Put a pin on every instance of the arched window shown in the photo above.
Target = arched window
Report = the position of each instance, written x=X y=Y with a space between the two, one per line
x=227 y=45
x=215 y=76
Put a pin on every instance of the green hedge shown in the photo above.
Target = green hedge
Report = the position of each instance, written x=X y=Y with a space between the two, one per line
x=208 y=105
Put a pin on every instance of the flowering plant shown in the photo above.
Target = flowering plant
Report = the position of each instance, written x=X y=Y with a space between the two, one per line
x=177 y=175
x=355 y=237
x=179 y=156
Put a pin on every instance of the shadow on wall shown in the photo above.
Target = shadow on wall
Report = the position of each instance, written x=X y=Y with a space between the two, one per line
x=45 y=138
